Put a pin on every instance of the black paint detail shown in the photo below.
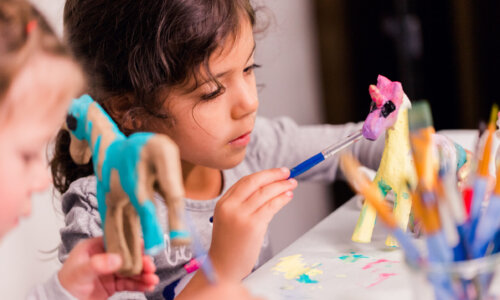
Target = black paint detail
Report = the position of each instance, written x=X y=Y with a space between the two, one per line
x=388 y=108
x=71 y=122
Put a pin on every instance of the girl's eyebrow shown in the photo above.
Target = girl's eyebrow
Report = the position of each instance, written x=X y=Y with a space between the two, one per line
x=251 y=53
x=195 y=87
x=219 y=75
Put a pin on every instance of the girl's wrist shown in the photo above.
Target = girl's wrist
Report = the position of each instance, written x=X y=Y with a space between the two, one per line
x=224 y=270
x=65 y=284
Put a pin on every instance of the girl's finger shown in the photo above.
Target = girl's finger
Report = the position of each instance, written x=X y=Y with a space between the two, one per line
x=106 y=263
x=249 y=184
x=123 y=284
x=148 y=265
x=148 y=279
x=267 y=211
x=267 y=193
x=91 y=246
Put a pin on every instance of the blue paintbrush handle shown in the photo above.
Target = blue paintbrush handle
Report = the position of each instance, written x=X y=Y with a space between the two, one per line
x=440 y=252
x=438 y=248
x=410 y=250
x=326 y=153
x=461 y=250
x=306 y=165
x=477 y=200
x=496 y=243
x=488 y=226
x=199 y=252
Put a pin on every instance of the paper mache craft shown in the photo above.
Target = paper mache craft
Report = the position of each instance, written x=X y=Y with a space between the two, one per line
x=389 y=115
x=129 y=170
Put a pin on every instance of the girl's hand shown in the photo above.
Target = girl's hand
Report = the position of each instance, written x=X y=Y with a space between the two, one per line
x=88 y=272
x=241 y=219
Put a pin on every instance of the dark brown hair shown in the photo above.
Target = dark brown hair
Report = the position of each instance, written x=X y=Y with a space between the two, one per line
x=23 y=33
x=134 y=51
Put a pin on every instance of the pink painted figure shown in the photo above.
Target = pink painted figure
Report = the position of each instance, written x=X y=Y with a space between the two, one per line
x=389 y=116
x=387 y=99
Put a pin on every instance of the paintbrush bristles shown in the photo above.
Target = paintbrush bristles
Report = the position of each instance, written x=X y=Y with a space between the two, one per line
x=424 y=157
x=497 y=185
x=494 y=114
x=484 y=163
x=483 y=168
x=420 y=116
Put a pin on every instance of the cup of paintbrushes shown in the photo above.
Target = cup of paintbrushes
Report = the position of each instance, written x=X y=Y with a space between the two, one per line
x=476 y=279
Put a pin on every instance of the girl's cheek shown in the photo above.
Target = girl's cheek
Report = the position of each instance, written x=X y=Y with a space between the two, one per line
x=9 y=213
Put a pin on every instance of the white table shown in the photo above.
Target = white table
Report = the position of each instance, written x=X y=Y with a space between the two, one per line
x=349 y=270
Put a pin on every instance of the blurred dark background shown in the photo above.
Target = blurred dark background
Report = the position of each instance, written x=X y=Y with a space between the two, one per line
x=444 y=51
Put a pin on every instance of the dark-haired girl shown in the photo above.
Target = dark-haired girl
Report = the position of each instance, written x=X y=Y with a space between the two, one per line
x=185 y=68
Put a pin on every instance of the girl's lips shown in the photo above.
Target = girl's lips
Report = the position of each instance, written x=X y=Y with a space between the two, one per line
x=242 y=140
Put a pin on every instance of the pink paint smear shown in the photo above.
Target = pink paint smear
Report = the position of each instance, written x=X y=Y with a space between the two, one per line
x=369 y=265
x=382 y=277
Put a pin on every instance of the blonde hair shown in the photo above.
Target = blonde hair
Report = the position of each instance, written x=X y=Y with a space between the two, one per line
x=24 y=32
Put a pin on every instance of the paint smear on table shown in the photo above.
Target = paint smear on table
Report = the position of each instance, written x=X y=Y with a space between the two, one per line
x=287 y=287
x=381 y=278
x=369 y=265
x=294 y=268
x=352 y=257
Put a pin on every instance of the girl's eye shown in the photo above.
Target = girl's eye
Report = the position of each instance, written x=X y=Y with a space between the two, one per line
x=250 y=68
x=212 y=95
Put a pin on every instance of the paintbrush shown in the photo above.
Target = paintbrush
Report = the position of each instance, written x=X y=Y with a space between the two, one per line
x=424 y=201
x=445 y=180
x=481 y=180
x=451 y=204
x=468 y=189
x=421 y=132
x=489 y=223
x=205 y=264
x=364 y=186
x=326 y=153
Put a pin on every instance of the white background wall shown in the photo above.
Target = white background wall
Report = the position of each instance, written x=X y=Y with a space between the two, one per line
x=290 y=74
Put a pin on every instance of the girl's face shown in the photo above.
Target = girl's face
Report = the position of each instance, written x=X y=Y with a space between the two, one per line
x=30 y=114
x=212 y=127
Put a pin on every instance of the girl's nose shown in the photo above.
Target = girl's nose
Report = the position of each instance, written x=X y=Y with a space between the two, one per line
x=246 y=102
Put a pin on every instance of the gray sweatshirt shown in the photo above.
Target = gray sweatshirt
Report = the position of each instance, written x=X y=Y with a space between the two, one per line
x=274 y=143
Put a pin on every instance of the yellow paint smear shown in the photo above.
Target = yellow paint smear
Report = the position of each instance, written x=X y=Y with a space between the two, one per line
x=293 y=266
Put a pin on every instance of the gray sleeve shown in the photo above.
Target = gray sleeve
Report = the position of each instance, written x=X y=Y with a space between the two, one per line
x=281 y=142
x=52 y=289
x=82 y=220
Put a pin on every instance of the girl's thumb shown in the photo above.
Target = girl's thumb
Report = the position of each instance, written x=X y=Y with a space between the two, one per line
x=106 y=263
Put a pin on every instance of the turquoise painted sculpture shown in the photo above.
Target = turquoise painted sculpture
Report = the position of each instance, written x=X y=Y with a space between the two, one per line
x=129 y=170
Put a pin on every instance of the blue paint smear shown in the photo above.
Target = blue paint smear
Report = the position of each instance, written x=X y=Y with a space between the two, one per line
x=304 y=278
x=353 y=257
x=358 y=256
